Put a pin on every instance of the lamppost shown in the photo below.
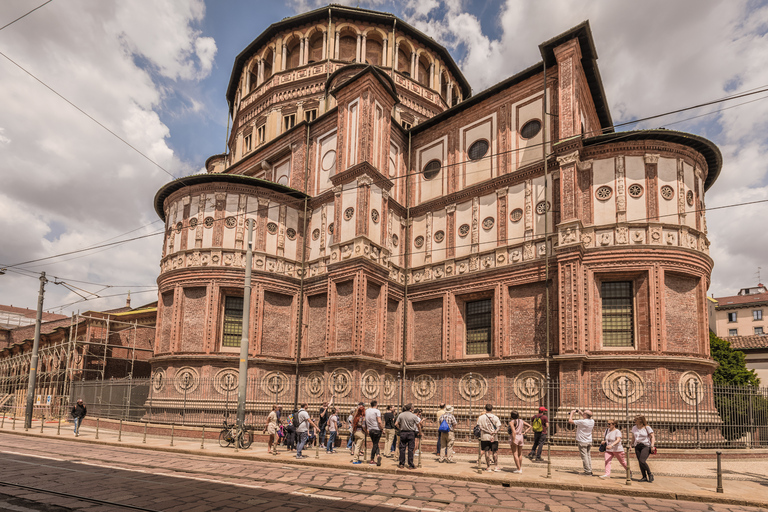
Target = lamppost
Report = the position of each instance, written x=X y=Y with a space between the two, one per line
x=35 y=348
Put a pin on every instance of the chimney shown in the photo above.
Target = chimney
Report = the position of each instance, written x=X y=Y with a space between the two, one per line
x=128 y=300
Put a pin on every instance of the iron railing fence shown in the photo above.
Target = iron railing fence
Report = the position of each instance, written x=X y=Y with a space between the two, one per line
x=692 y=416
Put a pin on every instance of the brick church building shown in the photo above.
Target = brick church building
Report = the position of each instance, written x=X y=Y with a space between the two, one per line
x=405 y=227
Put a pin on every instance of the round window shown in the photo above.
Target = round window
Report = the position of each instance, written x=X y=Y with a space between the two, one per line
x=667 y=192
x=439 y=236
x=689 y=197
x=530 y=129
x=290 y=233
x=463 y=230
x=478 y=149
x=271 y=228
x=603 y=193
x=516 y=215
x=193 y=222
x=542 y=207
x=431 y=169
x=419 y=242
x=635 y=190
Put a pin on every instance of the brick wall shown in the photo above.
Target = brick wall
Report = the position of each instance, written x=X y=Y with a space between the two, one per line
x=316 y=319
x=428 y=330
x=166 y=323
x=681 y=317
x=371 y=318
x=276 y=329
x=345 y=315
x=193 y=331
x=527 y=320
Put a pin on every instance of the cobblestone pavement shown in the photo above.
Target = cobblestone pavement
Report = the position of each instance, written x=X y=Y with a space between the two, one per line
x=151 y=480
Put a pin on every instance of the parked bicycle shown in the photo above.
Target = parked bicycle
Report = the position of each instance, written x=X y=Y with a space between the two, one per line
x=234 y=434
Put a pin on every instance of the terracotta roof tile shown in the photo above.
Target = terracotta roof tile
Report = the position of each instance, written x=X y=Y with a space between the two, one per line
x=724 y=302
x=748 y=342
x=31 y=313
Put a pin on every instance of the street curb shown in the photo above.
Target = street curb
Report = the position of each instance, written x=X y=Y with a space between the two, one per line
x=490 y=479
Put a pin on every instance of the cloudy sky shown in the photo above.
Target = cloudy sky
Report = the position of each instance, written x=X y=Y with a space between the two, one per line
x=154 y=73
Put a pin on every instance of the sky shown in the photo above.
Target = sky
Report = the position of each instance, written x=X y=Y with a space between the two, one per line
x=116 y=98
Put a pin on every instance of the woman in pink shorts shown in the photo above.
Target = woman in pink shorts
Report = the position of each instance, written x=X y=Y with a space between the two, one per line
x=517 y=430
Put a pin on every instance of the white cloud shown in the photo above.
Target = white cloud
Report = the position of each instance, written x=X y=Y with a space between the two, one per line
x=654 y=56
x=65 y=177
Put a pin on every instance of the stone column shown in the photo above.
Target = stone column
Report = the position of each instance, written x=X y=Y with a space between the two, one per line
x=301 y=51
x=362 y=49
x=395 y=55
x=357 y=50
x=384 y=48
x=284 y=57
x=413 y=66
x=261 y=72
x=432 y=76
x=325 y=47
x=336 y=47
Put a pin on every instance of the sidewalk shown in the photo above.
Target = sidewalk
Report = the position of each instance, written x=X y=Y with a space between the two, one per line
x=745 y=480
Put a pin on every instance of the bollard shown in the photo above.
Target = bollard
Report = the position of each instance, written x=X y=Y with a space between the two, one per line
x=120 y=431
x=58 y=427
x=97 y=427
x=419 y=454
x=144 y=440
x=172 y=434
x=42 y=423
x=2 y=422
x=719 y=473
x=13 y=425
x=317 y=446
x=202 y=440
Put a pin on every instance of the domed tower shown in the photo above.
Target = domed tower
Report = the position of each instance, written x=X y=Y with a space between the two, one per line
x=405 y=229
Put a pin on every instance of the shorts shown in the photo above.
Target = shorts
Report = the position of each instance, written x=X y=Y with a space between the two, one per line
x=489 y=445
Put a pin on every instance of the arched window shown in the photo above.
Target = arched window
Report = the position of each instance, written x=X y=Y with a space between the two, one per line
x=422 y=71
x=444 y=86
x=455 y=98
x=253 y=77
x=268 y=58
x=294 y=52
x=404 y=61
x=373 y=51
x=347 y=48
x=316 y=47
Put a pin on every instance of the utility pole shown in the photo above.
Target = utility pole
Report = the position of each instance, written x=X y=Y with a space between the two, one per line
x=35 y=348
x=243 y=382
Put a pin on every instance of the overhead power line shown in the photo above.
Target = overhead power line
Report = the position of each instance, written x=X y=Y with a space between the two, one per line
x=25 y=15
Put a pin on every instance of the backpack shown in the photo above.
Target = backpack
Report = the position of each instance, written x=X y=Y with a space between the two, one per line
x=476 y=431
x=537 y=425
x=444 y=427
x=295 y=420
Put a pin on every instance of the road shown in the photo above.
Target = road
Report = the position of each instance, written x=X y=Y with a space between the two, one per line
x=106 y=478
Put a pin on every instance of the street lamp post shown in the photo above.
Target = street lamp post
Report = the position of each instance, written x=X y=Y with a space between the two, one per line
x=35 y=348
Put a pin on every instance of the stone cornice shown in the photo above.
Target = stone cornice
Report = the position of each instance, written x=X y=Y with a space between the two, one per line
x=359 y=170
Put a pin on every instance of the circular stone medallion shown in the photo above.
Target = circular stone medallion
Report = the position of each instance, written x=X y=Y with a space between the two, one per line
x=488 y=223
x=623 y=385
x=516 y=214
x=419 y=242
x=667 y=192
x=186 y=380
x=473 y=386
x=463 y=230
x=340 y=382
x=530 y=386
x=439 y=236
x=691 y=388
x=375 y=216
x=158 y=380
x=315 y=234
x=271 y=228
x=369 y=384
x=314 y=384
x=290 y=233
x=389 y=386
x=274 y=384
x=230 y=222
x=423 y=387
x=226 y=381
x=349 y=213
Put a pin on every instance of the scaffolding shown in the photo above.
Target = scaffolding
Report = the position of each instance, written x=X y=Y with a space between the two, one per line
x=94 y=347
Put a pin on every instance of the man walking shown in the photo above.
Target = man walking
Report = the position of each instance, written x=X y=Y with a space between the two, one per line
x=374 y=426
x=539 y=424
x=408 y=423
x=446 y=425
x=78 y=413
x=440 y=412
x=302 y=429
x=389 y=432
x=584 y=428
x=489 y=425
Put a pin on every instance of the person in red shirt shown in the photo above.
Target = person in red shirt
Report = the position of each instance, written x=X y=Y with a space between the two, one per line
x=539 y=424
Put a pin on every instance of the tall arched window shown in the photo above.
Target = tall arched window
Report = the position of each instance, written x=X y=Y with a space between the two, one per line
x=294 y=52
x=268 y=58
x=444 y=86
x=316 y=47
x=347 y=47
x=422 y=71
x=404 y=60
x=373 y=51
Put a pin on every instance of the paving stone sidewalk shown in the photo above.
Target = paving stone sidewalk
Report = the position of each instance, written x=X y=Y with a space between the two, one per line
x=745 y=480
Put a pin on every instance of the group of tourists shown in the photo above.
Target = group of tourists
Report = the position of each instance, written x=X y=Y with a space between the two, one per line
x=401 y=433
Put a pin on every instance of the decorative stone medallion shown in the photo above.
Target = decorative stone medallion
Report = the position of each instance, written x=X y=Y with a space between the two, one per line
x=330 y=228
x=315 y=234
x=691 y=388
x=193 y=222
x=389 y=386
x=274 y=384
x=418 y=242
x=349 y=213
x=623 y=386
x=226 y=381
x=230 y=222
x=667 y=192
x=369 y=384
x=689 y=197
x=208 y=222
x=271 y=228
x=314 y=384
x=375 y=216
x=439 y=236
x=635 y=190
x=603 y=193
x=516 y=215
x=463 y=230
x=473 y=386
x=340 y=382
x=329 y=160
x=186 y=380
x=290 y=233
x=530 y=386
x=158 y=380
x=395 y=240
x=542 y=207
x=488 y=223
x=179 y=225
x=423 y=387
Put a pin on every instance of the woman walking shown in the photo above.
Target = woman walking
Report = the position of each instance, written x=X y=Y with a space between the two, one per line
x=644 y=441
x=517 y=439
x=271 y=429
x=360 y=432
x=333 y=429
x=613 y=448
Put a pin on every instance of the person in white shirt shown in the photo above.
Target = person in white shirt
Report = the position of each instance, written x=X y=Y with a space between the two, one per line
x=374 y=426
x=584 y=428
x=489 y=425
x=613 y=447
x=644 y=441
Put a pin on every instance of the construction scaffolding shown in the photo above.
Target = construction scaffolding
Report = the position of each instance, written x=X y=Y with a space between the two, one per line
x=93 y=347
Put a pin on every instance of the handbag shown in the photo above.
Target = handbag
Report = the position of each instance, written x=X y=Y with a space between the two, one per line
x=604 y=444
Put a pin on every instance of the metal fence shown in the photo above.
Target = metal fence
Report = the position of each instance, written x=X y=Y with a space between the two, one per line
x=682 y=417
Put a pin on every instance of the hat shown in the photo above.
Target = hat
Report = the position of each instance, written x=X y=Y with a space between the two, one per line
x=542 y=409
x=449 y=409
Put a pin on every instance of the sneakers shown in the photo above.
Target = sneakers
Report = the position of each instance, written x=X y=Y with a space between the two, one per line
x=587 y=473
x=538 y=459
x=357 y=462
x=605 y=476
x=378 y=460
x=400 y=466
x=517 y=471
x=497 y=469
x=489 y=470
x=530 y=456
x=372 y=462
x=411 y=467
x=650 y=478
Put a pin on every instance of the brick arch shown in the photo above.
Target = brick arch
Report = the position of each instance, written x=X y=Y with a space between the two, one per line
x=348 y=42
x=405 y=49
x=423 y=64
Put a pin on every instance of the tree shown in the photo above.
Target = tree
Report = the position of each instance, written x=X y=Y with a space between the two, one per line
x=733 y=369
